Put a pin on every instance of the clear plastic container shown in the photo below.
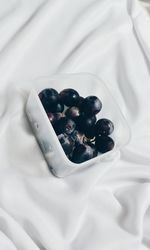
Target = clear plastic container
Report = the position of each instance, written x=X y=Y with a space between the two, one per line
x=86 y=84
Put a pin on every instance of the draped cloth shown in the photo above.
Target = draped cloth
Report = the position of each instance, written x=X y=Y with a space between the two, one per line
x=88 y=210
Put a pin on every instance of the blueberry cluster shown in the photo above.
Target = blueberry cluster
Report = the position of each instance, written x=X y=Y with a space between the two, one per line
x=74 y=120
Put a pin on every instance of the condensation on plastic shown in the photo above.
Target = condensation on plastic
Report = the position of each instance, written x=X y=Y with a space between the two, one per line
x=86 y=84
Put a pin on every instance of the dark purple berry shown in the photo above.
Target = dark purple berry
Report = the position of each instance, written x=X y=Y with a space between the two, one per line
x=95 y=151
x=79 y=104
x=50 y=117
x=91 y=105
x=104 y=127
x=85 y=124
x=66 y=143
x=64 y=125
x=77 y=137
x=54 y=117
x=49 y=98
x=69 y=97
x=72 y=112
x=57 y=116
x=90 y=132
x=104 y=143
x=81 y=153
x=58 y=108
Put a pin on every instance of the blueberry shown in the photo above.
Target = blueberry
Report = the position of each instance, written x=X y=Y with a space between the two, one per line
x=86 y=124
x=50 y=117
x=64 y=125
x=104 y=143
x=66 y=142
x=69 y=97
x=95 y=151
x=90 y=132
x=57 y=116
x=80 y=102
x=104 y=127
x=72 y=112
x=91 y=105
x=58 y=108
x=54 y=117
x=81 y=153
x=49 y=98
x=77 y=137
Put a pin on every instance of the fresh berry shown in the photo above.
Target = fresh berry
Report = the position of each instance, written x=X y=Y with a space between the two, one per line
x=57 y=116
x=77 y=137
x=104 y=143
x=50 y=117
x=58 y=108
x=85 y=123
x=64 y=125
x=104 y=127
x=91 y=105
x=81 y=153
x=49 y=98
x=66 y=142
x=95 y=151
x=72 y=112
x=54 y=117
x=69 y=97
x=80 y=101
x=90 y=132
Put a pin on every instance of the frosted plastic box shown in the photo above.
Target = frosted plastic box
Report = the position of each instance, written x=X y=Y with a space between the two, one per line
x=85 y=84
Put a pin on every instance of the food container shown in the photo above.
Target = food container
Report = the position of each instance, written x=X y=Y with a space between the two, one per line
x=86 y=84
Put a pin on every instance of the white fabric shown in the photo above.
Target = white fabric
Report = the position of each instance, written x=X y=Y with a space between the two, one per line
x=86 y=211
